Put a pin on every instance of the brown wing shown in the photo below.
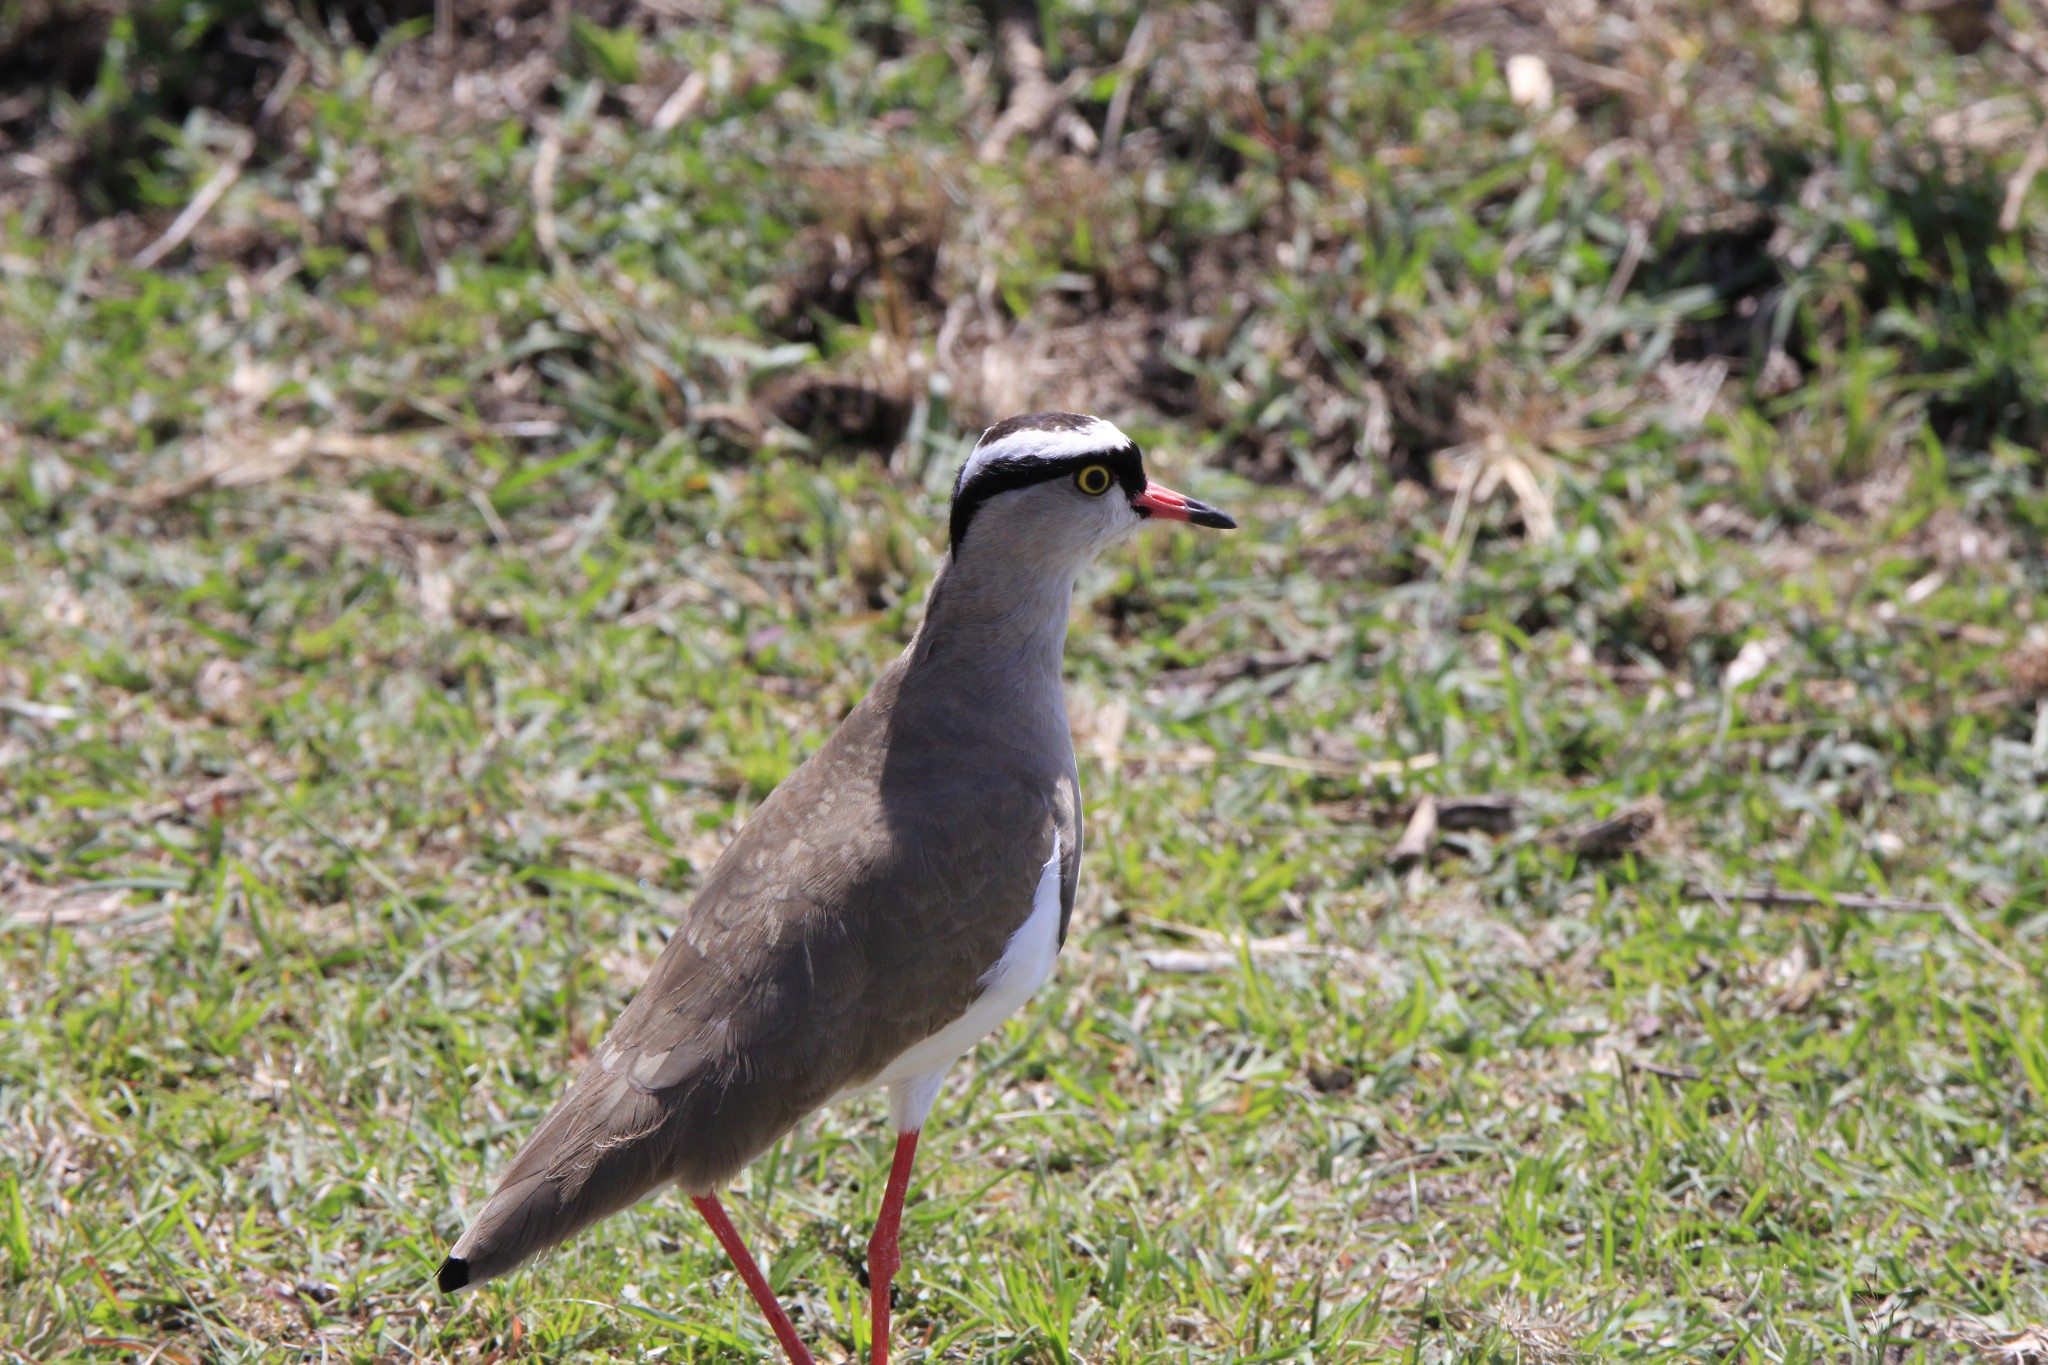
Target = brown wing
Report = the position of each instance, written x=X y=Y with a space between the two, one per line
x=854 y=916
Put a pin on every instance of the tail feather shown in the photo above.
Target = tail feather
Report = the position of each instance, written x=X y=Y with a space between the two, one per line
x=598 y=1151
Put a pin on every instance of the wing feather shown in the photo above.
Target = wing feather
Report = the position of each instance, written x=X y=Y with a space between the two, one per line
x=854 y=916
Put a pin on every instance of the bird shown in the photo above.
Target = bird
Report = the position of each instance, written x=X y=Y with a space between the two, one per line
x=887 y=906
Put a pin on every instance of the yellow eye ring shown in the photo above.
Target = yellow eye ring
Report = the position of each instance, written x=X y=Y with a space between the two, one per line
x=1094 y=480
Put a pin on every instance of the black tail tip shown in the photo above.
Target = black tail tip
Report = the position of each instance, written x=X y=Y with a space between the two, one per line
x=454 y=1275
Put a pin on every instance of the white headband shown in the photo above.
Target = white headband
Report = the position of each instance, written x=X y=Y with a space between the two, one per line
x=1041 y=443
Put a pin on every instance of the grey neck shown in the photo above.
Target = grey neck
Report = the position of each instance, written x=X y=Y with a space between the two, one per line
x=993 y=635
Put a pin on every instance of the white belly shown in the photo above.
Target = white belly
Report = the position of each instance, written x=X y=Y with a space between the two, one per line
x=1027 y=960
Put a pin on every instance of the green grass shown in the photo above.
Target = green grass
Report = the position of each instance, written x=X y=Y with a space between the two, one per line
x=405 y=591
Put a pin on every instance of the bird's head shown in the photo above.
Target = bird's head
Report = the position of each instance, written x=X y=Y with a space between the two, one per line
x=1053 y=489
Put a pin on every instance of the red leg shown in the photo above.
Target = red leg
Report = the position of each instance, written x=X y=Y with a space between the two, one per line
x=883 y=1259
x=743 y=1261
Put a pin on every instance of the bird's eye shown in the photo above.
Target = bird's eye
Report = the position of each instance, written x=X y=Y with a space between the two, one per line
x=1094 y=480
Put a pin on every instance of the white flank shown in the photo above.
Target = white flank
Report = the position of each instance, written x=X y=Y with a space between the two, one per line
x=913 y=1078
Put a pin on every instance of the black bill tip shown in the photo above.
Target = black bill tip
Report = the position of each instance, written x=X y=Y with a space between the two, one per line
x=454 y=1275
x=1202 y=514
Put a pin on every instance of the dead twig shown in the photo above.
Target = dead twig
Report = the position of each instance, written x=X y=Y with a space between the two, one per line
x=77 y=906
x=2023 y=44
x=217 y=184
x=1256 y=663
x=685 y=100
x=1495 y=815
x=201 y=797
x=1614 y=835
x=1135 y=52
x=1489 y=814
x=1617 y=284
x=1772 y=895
x=2022 y=181
x=1417 y=839
x=245 y=461
x=41 y=712
x=1202 y=755
x=280 y=94
x=1968 y=632
x=544 y=164
x=488 y=510
x=1035 y=102
x=1223 y=952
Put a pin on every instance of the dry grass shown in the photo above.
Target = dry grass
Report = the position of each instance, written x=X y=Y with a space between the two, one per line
x=535 y=441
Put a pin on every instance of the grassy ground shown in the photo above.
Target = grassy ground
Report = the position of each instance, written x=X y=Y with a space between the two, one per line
x=411 y=577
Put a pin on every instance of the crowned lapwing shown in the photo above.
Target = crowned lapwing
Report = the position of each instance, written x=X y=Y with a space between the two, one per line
x=894 y=900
